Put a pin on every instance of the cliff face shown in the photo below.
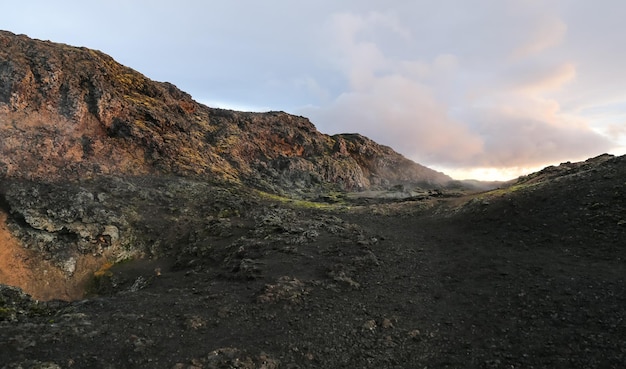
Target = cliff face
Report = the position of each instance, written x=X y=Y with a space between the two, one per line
x=71 y=113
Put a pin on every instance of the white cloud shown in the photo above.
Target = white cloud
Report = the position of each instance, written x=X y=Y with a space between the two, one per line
x=312 y=86
x=456 y=84
x=386 y=99
x=451 y=111
x=402 y=113
x=543 y=79
x=544 y=34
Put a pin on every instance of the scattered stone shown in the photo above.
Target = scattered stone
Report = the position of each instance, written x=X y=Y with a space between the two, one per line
x=386 y=323
x=370 y=325
x=341 y=276
x=286 y=289
x=415 y=333
x=195 y=322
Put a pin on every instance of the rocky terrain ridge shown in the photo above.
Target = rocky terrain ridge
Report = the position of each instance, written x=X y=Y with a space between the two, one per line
x=75 y=113
x=82 y=138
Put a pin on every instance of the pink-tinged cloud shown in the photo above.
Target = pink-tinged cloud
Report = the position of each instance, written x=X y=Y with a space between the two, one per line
x=514 y=139
x=427 y=109
x=617 y=129
x=403 y=114
x=545 y=79
x=547 y=32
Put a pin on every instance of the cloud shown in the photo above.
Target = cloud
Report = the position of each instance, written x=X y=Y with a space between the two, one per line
x=313 y=87
x=523 y=125
x=450 y=111
x=543 y=79
x=544 y=34
x=515 y=136
x=386 y=99
x=402 y=113
x=617 y=129
x=451 y=84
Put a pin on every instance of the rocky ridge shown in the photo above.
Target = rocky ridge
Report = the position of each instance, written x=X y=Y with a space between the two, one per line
x=88 y=147
x=74 y=113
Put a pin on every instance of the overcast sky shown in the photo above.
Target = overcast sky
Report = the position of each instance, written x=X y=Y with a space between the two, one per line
x=475 y=88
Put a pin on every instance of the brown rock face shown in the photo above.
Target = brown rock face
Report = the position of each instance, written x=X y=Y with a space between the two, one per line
x=73 y=112
x=85 y=140
x=70 y=113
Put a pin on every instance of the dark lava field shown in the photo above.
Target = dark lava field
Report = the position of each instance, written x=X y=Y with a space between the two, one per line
x=526 y=276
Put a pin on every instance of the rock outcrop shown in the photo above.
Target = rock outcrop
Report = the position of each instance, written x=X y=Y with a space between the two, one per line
x=97 y=162
x=70 y=113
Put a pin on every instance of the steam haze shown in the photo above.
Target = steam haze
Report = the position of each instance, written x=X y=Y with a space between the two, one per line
x=487 y=88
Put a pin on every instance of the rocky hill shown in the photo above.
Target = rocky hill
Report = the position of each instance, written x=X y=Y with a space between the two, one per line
x=84 y=139
x=73 y=113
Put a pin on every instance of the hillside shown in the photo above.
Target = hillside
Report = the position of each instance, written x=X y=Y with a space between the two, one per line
x=74 y=113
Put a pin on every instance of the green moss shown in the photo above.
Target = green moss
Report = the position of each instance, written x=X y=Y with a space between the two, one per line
x=228 y=213
x=140 y=99
x=38 y=309
x=33 y=308
x=498 y=192
x=7 y=313
x=303 y=204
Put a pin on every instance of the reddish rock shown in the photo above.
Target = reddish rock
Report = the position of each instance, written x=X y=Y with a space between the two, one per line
x=71 y=113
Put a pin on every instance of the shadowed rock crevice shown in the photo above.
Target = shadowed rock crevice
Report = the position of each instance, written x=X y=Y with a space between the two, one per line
x=12 y=216
x=6 y=87
x=92 y=97
x=4 y=204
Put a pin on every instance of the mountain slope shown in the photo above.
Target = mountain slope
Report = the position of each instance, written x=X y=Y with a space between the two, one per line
x=68 y=112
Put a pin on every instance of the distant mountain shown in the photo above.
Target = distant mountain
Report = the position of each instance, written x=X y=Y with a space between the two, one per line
x=72 y=113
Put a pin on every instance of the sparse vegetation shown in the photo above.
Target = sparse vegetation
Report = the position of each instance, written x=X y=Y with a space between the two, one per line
x=304 y=204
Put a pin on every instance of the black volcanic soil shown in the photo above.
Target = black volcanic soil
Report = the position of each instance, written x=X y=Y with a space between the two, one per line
x=528 y=277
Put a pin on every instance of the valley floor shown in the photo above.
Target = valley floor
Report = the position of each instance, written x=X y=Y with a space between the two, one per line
x=381 y=287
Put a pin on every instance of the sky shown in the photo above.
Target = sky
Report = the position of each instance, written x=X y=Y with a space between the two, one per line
x=484 y=89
